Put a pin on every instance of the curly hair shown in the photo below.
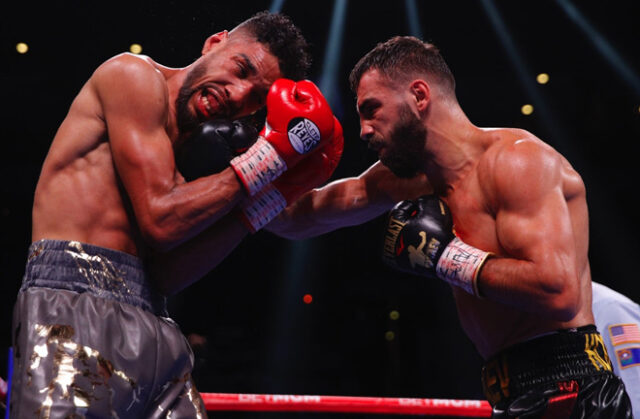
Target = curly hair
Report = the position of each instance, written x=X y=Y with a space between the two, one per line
x=401 y=57
x=283 y=39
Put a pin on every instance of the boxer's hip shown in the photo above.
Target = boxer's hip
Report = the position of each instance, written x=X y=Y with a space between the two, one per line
x=81 y=267
x=566 y=373
x=559 y=356
x=90 y=335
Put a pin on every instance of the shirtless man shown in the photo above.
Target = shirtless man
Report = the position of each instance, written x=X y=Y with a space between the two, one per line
x=518 y=260
x=116 y=226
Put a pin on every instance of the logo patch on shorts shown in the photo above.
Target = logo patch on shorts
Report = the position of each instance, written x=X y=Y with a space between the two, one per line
x=304 y=135
x=628 y=357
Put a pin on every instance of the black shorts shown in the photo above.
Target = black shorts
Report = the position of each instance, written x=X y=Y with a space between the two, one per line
x=92 y=339
x=565 y=374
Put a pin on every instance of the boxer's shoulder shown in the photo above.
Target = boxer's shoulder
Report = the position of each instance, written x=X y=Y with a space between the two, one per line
x=129 y=72
x=133 y=85
x=516 y=149
x=129 y=63
x=516 y=157
x=512 y=140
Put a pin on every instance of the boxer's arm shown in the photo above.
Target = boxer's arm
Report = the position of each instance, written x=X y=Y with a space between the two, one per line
x=187 y=263
x=347 y=202
x=168 y=210
x=534 y=227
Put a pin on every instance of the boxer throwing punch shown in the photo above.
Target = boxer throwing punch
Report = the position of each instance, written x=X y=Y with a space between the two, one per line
x=507 y=227
x=116 y=226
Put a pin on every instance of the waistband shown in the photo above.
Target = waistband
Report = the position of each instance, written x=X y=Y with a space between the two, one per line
x=568 y=354
x=81 y=267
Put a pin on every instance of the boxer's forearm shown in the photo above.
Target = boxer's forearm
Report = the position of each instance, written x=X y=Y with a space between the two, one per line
x=340 y=204
x=347 y=202
x=531 y=287
x=176 y=269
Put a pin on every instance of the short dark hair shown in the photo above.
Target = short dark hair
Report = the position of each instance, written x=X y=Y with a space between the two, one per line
x=401 y=57
x=283 y=39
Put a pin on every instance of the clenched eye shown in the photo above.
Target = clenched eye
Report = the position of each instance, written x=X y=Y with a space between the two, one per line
x=243 y=72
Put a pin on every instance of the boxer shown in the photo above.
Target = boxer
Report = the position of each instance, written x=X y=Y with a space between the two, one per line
x=116 y=227
x=495 y=212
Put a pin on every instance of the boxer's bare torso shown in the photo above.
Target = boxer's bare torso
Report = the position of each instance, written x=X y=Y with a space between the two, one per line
x=110 y=179
x=518 y=227
x=79 y=194
x=485 y=220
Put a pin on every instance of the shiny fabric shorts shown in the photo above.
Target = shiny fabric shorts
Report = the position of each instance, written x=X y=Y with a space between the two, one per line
x=565 y=374
x=91 y=339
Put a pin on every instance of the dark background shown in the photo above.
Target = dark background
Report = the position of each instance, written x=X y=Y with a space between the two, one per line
x=262 y=337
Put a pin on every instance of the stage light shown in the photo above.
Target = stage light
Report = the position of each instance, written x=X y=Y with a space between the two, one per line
x=601 y=44
x=135 y=48
x=394 y=315
x=276 y=6
x=526 y=109
x=389 y=336
x=553 y=132
x=22 y=48
x=543 y=78
x=308 y=298
x=413 y=18
x=331 y=63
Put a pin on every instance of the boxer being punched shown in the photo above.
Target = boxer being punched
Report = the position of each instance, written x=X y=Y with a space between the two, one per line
x=116 y=226
x=517 y=261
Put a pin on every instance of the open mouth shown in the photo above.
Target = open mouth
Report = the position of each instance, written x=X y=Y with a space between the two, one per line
x=210 y=103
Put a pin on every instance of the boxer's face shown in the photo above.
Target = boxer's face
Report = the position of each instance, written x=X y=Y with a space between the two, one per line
x=390 y=126
x=230 y=80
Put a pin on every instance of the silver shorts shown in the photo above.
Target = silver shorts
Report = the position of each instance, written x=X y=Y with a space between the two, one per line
x=91 y=338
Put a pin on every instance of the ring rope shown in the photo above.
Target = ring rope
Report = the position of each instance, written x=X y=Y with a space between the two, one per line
x=345 y=404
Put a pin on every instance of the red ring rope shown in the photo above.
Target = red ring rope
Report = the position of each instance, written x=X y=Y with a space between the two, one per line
x=345 y=404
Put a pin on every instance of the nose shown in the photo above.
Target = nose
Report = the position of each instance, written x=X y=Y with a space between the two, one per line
x=240 y=96
x=366 y=131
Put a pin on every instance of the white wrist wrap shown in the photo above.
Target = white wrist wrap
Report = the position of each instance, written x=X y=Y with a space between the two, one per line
x=459 y=265
x=263 y=207
x=258 y=166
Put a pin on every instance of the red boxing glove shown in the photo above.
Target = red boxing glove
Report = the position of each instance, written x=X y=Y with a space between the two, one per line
x=299 y=120
x=311 y=172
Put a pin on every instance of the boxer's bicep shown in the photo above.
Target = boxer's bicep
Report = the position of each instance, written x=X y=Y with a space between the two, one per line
x=134 y=105
x=374 y=192
x=533 y=223
x=385 y=188
x=347 y=202
x=321 y=210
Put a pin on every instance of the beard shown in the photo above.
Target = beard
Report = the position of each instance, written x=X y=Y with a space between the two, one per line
x=188 y=121
x=406 y=145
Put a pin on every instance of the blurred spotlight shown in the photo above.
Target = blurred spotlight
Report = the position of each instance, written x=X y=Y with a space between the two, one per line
x=283 y=346
x=526 y=109
x=22 y=48
x=308 y=298
x=412 y=17
x=135 y=48
x=543 y=78
x=329 y=78
x=555 y=133
x=276 y=6
x=602 y=45
x=394 y=315
x=389 y=336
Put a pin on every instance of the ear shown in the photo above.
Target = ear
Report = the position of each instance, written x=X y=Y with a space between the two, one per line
x=421 y=91
x=214 y=40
